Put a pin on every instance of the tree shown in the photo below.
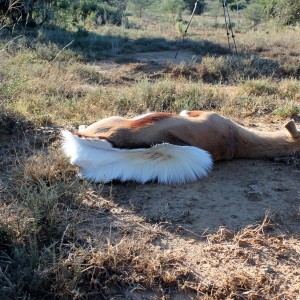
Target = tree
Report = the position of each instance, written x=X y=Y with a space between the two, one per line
x=173 y=7
x=286 y=11
x=254 y=13
x=139 y=6
x=190 y=4
x=17 y=12
x=30 y=13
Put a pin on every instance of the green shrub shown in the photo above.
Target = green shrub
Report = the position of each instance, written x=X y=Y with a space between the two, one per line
x=286 y=11
x=260 y=87
x=287 y=110
x=81 y=32
x=237 y=68
x=237 y=5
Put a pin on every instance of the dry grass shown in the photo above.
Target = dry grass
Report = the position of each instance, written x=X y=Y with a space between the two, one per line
x=249 y=260
x=134 y=263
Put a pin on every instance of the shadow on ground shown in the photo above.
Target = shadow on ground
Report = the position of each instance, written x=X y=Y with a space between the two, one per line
x=236 y=194
x=92 y=46
x=157 y=54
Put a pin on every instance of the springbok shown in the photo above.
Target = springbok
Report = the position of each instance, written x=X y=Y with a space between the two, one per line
x=170 y=148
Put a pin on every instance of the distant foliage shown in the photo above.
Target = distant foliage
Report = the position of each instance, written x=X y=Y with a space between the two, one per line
x=139 y=6
x=237 y=5
x=254 y=13
x=30 y=13
x=286 y=11
x=190 y=4
x=173 y=7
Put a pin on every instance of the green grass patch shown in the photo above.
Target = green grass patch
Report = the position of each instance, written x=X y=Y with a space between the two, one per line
x=287 y=110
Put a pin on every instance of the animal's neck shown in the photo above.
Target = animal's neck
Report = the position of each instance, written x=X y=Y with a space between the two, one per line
x=256 y=144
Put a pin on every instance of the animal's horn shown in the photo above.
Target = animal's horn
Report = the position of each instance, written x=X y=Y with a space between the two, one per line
x=292 y=129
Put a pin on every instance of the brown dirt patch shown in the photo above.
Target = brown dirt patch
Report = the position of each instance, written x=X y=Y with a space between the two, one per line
x=215 y=227
x=129 y=68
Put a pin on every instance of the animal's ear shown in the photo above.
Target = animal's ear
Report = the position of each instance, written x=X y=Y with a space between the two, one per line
x=292 y=129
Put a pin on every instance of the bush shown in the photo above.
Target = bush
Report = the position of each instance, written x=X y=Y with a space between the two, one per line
x=254 y=13
x=286 y=11
x=109 y=14
x=237 y=6
x=191 y=5
x=61 y=12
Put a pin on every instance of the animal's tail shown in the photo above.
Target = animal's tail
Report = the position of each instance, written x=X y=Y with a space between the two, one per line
x=166 y=163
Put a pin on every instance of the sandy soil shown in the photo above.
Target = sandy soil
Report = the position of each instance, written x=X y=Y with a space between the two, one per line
x=235 y=194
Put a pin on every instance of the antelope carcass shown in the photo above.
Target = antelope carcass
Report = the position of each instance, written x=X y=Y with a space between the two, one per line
x=169 y=148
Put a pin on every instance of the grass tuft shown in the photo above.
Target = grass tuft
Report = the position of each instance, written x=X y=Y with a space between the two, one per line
x=288 y=110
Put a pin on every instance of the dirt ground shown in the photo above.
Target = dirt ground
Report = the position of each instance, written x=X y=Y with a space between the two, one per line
x=201 y=222
x=235 y=194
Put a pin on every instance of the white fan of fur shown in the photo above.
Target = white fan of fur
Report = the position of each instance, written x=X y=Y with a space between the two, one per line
x=99 y=161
